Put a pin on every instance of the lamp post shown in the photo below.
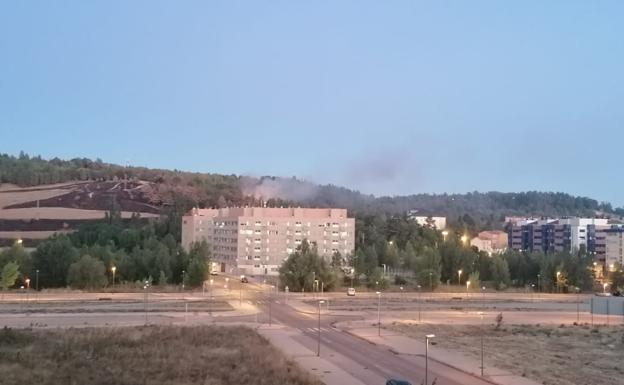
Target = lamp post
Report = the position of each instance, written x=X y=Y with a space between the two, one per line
x=431 y=281
x=27 y=283
x=146 y=289
x=402 y=299
x=379 y=314
x=352 y=274
x=467 y=287
x=459 y=273
x=113 y=270
x=37 y=280
x=318 y=348
x=482 y=336
x=483 y=298
x=464 y=239
x=419 y=303
x=578 y=302
x=270 y=300
x=240 y=294
x=538 y=283
x=558 y=275
x=444 y=234
x=604 y=287
x=427 y=337
x=210 y=295
x=183 y=274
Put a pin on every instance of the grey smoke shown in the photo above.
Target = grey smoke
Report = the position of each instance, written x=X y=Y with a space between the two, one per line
x=276 y=187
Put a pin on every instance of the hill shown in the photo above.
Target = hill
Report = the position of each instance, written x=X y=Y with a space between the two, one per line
x=86 y=184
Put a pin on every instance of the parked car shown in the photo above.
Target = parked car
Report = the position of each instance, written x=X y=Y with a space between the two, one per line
x=397 y=382
x=244 y=279
x=351 y=292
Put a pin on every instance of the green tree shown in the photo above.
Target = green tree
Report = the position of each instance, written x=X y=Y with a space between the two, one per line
x=475 y=281
x=52 y=258
x=303 y=266
x=197 y=268
x=87 y=273
x=10 y=272
x=500 y=272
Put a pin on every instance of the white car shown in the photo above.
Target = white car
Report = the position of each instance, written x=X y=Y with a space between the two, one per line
x=351 y=292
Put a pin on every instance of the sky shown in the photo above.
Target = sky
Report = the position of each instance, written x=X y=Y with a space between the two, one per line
x=387 y=97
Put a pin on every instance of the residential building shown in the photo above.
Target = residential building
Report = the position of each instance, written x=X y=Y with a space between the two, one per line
x=427 y=220
x=492 y=242
x=256 y=240
x=610 y=246
x=554 y=234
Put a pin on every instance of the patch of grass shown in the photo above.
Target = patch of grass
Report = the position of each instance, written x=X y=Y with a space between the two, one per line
x=154 y=355
x=568 y=355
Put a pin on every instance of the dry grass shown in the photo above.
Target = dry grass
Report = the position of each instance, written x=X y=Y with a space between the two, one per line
x=125 y=306
x=562 y=355
x=8 y=198
x=155 y=355
x=61 y=213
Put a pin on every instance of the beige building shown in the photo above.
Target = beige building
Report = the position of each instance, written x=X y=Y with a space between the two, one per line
x=490 y=241
x=256 y=240
x=423 y=220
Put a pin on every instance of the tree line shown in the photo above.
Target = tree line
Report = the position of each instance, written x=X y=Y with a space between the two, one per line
x=424 y=256
x=84 y=259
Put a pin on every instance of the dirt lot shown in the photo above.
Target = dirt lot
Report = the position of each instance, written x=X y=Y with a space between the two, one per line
x=570 y=355
x=29 y=305
x=156 y=355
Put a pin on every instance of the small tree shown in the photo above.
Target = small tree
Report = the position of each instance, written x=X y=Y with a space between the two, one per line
x=10 y=272
x=500 y=272
x=87 y=273
x=197 y=267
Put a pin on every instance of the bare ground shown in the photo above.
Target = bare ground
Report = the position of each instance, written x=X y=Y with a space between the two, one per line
x=552 y=355
x=155 y=355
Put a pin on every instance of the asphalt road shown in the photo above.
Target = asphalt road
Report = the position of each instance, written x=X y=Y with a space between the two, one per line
x=371 y=364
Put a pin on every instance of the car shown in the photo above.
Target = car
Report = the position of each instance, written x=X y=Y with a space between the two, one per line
x=214 y=273
x=351 y=292
x=244 y=279
x=397 y=382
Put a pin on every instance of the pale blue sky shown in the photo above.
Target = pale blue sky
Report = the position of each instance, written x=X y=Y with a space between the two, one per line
x=389 y=97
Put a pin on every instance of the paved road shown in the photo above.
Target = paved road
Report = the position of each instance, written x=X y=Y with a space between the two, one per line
x=367 y=362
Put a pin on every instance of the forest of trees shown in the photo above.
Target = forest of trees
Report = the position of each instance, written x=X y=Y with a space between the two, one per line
x=84 y=259
x=422 y=256
x=473 y=211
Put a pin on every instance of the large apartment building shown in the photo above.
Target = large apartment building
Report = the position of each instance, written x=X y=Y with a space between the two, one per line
x=555 y=234
x=256 y=240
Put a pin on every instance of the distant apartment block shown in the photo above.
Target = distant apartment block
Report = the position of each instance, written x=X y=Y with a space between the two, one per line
x=610 y=245
x=424 y=220
x=257 y=240
x=491 y=242
x=555 y=234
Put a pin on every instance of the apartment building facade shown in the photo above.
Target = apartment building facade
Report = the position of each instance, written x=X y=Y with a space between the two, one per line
x=257 y=240
x=555 y=234
x=492 y=242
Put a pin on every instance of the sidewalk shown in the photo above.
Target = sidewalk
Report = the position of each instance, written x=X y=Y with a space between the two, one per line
x=404 y=345
x=330 y=374
x=300 y=306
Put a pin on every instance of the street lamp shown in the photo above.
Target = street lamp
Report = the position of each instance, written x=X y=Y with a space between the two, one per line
x=604 y=287
x=352 y=274
x=37 y=280
x=427 y=337
x=464 y=239
x=444 y=234
x=145 y=289
x=459 y=273
x=558 y=275
x=183 y=273
x=379 y=314
x=19 y=241
x=318 y=349
x=27 y=283
x=114 y=269
x=270 y=300
x=210 y=295
x=419 y=303
x=482 y=336
x=538 y=283
x=467 y=287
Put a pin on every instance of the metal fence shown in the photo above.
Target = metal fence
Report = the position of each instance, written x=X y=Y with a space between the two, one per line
x=607 y=305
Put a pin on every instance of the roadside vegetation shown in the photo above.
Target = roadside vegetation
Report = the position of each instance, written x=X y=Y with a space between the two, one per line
x=549 y=354
x=163 y=355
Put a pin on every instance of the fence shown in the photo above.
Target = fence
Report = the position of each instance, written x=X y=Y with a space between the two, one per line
x=607 y=305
